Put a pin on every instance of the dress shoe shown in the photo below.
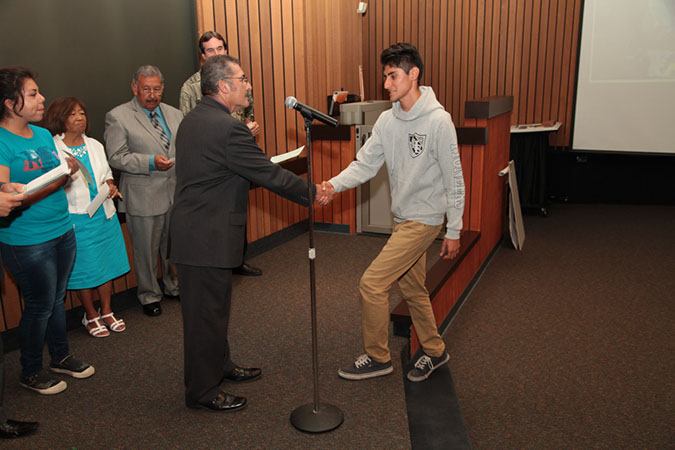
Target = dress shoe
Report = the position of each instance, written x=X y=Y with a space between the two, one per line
x=172 y=297
x=152 y=309
x=14 y=428
x=223 y=402
x=241 y=374
x=247 y=270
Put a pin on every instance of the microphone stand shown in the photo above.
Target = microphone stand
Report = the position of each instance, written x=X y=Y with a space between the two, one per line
x=314 y=417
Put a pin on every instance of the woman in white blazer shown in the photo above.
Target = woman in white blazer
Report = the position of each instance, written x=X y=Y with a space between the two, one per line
x=101 y=254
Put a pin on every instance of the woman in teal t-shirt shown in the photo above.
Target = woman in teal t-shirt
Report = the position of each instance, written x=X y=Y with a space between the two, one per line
x=37 y=241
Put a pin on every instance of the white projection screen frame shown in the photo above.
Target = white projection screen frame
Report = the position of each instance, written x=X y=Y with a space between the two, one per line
x=625 y=100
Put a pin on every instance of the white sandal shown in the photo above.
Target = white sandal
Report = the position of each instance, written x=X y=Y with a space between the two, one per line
x=99 y=330
x=117 y=326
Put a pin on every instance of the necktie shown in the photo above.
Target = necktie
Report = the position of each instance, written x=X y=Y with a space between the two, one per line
x=160 y=130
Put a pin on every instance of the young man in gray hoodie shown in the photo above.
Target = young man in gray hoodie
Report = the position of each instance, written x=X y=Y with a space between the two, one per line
x=417 y=141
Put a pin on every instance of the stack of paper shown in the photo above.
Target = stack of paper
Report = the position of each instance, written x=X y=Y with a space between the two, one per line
x=46 y=179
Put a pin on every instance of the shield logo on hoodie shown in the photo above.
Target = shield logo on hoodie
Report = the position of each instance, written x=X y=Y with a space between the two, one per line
x=416 y=144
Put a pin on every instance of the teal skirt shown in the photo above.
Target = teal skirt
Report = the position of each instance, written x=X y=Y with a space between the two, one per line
x=101 y=253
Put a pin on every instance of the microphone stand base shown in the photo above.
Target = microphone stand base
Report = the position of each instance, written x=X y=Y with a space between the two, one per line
x=326 y=418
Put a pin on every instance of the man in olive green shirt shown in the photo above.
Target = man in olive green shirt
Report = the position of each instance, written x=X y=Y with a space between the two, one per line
x=212 y=43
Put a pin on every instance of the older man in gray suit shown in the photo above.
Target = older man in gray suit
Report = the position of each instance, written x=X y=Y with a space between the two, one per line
x=139 y=142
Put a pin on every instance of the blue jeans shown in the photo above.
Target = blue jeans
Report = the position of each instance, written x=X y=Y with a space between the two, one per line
x=42 y=272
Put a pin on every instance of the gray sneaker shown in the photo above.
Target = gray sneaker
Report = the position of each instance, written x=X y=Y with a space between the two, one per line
x=73 y=367
x=425 y=365
x=365 y=367
x=43 y=383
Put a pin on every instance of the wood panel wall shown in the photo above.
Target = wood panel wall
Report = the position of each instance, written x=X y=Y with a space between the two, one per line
x=471 y=48
x=330 y=158
x=481 y=48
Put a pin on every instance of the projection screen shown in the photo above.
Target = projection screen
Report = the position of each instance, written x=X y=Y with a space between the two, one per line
x=625 y=98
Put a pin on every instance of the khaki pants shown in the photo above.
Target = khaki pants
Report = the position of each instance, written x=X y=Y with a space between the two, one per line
x=403 y=258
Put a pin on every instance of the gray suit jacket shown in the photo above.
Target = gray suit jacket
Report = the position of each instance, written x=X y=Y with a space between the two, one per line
x=131 y=141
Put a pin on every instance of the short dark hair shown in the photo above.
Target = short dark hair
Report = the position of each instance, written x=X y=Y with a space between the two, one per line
x=57 y=114
x=12 y=80
x=404 y=56
x=207 y=37
x=217 y=68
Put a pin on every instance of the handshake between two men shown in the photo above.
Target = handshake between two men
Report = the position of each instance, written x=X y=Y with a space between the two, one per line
x=324 y=193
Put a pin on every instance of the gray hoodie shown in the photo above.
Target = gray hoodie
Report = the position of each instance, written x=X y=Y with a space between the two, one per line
x=425 y=173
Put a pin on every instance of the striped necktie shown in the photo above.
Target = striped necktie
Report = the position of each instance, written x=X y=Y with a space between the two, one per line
x=160 y=130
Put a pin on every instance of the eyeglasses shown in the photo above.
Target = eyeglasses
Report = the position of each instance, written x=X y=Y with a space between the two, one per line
x=243 y=79
x=156 y=91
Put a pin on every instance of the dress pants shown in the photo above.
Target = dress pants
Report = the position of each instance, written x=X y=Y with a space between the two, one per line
x=403 y=258
x=206 y=293
x=149 y=239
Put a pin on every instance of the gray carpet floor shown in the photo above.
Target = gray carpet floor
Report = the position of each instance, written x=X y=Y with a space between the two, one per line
x=570 y=343
x=567 y=344
x=135 y=399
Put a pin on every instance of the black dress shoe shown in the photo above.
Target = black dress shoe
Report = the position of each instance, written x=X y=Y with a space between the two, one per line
x=223 y=402
x=13 y=429
x=241 y=374
x=152 y=309
x=247 y=270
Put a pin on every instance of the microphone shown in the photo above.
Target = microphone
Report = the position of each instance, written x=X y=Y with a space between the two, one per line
x=310 y=113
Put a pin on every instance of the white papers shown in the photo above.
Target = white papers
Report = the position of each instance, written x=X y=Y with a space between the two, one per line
x=96 y=203
x=286 y=156
x=532 y=127
x=82 y=168
x=516 y=226
x=46 y=179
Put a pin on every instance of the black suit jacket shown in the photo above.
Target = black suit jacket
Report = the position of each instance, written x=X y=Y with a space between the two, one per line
x=216 y=160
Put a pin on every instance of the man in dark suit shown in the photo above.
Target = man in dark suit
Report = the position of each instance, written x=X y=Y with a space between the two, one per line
x=211 y=44
x=216 y=160
x=139 y=137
